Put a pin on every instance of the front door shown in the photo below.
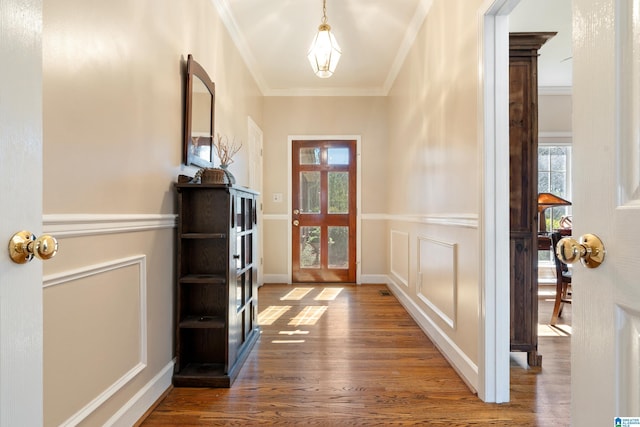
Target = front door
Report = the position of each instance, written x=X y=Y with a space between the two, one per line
x=324 y=211
x=605 y=352
x=21 y=328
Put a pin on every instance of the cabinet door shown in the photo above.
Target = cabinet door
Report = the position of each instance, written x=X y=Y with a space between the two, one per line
x=242 y=273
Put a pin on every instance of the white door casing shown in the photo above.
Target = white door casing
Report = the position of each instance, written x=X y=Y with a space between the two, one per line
x=21 y=208
x=605 y=353
x=493 y=363
x=255 y=183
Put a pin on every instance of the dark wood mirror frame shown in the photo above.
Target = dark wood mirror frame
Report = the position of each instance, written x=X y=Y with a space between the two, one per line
x=199 y=116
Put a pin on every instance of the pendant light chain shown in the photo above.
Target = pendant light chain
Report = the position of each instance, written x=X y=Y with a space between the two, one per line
x=324 y=11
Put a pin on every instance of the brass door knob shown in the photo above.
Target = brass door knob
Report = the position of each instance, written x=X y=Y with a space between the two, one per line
x=590 y=250
x=296 y=222
x=24 y=245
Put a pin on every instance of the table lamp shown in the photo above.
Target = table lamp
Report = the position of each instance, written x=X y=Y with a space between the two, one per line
x=547 y=200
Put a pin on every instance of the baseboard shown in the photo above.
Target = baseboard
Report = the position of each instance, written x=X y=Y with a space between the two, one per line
x=144 y=399
x=464 y=366
x=371 y=279
x=364 y=279
x=153 y=407
x=276 y=278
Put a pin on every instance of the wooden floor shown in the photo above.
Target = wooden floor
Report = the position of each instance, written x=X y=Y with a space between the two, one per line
x=359 y=359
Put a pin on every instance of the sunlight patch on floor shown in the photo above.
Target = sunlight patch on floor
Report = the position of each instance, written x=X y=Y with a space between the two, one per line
x=554 y=331
x=296 y=332
x=309 y=315
x=287 y=341
x=296 y=294
x=328 y=294
x=269 y=315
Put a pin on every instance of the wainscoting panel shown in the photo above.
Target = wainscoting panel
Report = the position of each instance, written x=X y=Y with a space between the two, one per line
x=400 y=256
x=95 y=335
x=437 y=278
x=628 y=350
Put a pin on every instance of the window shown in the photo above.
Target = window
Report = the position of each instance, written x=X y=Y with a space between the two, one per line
x=554 y=168
x=554 y=176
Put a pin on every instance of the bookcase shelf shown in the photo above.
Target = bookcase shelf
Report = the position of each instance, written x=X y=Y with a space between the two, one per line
x=216 y=286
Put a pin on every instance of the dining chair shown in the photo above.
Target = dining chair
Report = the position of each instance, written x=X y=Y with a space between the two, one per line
x=563 y=282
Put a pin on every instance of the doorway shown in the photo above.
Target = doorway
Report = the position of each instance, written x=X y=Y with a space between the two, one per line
x=324 y=214
x=494 y=351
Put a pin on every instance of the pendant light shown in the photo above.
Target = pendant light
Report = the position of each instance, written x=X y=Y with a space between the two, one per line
x=324 y=52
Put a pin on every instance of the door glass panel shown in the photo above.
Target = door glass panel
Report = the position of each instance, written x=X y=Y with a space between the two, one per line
x=338 y=156
x=338 y=192
x=309 y=247
x=310 y=156
x=339 y=247
x=310 y=192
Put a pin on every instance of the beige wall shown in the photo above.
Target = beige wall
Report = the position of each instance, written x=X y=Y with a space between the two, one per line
x=113 y=97
x=555 y=113
x=297 y=116
x=364 y=116
x=435 y=151
x=112 y=149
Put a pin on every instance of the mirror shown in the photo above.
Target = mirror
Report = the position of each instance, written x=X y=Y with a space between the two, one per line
x=199 y=116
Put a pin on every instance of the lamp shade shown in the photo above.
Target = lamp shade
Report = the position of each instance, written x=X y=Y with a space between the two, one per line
x=546 y=200
x=324 y=52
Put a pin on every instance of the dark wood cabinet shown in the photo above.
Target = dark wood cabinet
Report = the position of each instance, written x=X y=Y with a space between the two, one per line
x=523 y=164
x=216 y=286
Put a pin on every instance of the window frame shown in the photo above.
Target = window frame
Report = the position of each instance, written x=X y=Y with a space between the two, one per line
x=548 y=140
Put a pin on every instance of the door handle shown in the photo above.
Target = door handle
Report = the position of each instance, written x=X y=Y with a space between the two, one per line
x=24 y=245
x=590 y=250
x=296 y=211
x=296 y=222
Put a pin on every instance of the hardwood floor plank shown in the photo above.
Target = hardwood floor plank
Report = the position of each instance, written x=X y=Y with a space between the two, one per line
x=361 y=361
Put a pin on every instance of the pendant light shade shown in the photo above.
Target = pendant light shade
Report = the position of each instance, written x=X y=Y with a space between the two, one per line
x=324 y=52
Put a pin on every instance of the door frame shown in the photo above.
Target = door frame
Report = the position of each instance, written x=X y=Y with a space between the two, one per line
x=290 y=140
x=493 y=122
x=256 y=143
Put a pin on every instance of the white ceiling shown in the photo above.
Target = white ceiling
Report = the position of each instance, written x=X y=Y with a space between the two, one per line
x=555 y=65
x=273 y=37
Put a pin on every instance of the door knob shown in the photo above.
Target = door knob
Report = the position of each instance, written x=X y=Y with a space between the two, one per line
x=590 y=250
x=24 y=245
x=296 y=211
x=296 y=222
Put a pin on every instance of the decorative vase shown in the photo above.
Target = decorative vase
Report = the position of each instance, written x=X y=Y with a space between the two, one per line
x=231 y=180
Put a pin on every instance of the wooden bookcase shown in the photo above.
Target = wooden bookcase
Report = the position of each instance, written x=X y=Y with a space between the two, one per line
x=216 y=287
x=523 y=170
